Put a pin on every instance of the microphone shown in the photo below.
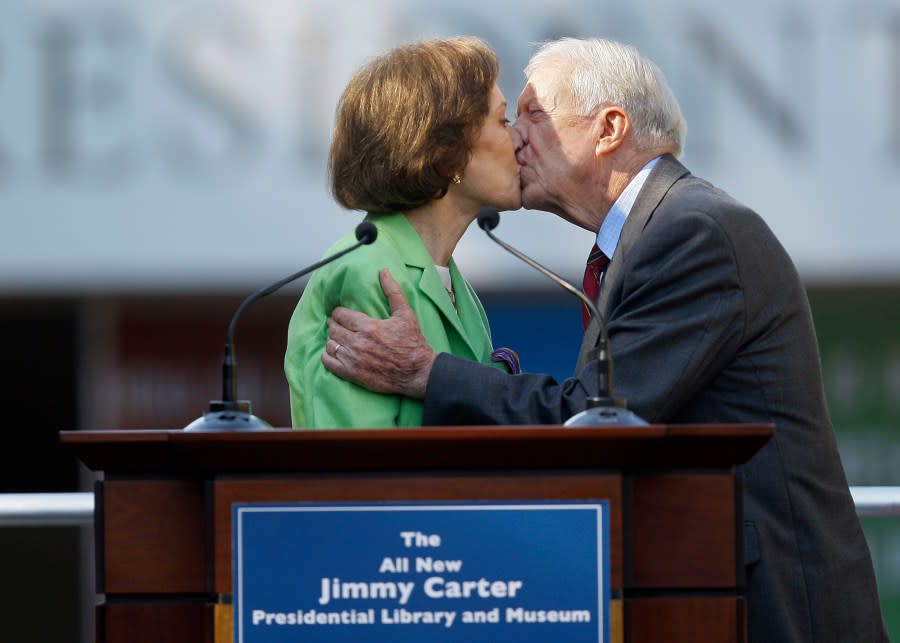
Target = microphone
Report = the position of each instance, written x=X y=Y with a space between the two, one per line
x=230 y=413
x=602 y=408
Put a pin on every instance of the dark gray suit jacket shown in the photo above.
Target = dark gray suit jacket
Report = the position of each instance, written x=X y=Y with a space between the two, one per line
x=709 y=323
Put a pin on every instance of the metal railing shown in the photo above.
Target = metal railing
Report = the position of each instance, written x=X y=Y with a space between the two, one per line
x=46 y=509
x=77 y=509
x=876 y=502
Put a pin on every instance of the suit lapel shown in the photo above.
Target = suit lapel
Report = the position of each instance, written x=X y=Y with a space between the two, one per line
x=662 y=177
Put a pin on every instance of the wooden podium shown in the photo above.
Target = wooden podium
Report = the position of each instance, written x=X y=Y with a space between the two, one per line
x=163 y=511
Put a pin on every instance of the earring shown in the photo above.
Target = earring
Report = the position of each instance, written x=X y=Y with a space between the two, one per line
x=457 y=179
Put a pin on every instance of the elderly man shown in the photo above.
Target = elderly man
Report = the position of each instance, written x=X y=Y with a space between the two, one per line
x=707 y=319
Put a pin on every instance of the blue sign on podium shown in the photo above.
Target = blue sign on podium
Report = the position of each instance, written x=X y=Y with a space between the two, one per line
x=413 y=572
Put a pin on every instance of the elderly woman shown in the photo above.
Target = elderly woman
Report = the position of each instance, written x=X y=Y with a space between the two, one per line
x=421 y=142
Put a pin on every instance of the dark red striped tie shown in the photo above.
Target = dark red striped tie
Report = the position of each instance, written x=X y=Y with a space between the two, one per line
x=596 y=264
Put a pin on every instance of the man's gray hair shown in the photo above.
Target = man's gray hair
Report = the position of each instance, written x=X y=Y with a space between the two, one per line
x=605 y=72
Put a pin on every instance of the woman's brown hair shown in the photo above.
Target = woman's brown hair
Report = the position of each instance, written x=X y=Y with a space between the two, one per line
x=407 y=121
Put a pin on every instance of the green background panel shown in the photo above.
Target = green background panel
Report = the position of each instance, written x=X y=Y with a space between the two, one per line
x=859 y=337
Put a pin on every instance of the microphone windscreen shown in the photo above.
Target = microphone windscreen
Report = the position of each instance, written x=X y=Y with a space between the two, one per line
x=366 y=232
x=488 y=218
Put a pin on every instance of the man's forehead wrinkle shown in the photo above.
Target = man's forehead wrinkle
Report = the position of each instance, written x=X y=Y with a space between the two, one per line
x=531 y=97
x=550 y=90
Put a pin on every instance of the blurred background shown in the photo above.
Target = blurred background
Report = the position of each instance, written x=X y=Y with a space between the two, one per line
x=160 y=160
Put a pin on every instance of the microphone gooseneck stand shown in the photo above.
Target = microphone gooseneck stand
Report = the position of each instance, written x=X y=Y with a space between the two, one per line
x=231 y=413
x=602 y=408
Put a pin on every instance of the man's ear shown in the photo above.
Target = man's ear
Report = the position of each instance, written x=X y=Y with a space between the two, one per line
x=611 y=127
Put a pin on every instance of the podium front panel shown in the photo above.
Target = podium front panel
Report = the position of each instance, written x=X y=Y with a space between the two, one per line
x=163 y=511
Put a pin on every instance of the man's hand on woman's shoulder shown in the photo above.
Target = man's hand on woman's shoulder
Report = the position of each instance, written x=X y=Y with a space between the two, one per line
x=383 y=355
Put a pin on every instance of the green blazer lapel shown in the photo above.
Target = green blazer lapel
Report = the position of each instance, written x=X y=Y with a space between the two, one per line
x=472 y=324
x=432 y=287
x=415 y=254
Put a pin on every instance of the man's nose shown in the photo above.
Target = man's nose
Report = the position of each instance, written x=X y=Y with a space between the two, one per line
x=516 y=134
x=520 y=136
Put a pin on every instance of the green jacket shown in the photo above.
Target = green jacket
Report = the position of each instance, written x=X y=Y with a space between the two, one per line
x=320 y=399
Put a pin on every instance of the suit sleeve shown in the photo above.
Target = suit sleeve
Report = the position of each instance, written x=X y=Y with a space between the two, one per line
x=677 y=321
